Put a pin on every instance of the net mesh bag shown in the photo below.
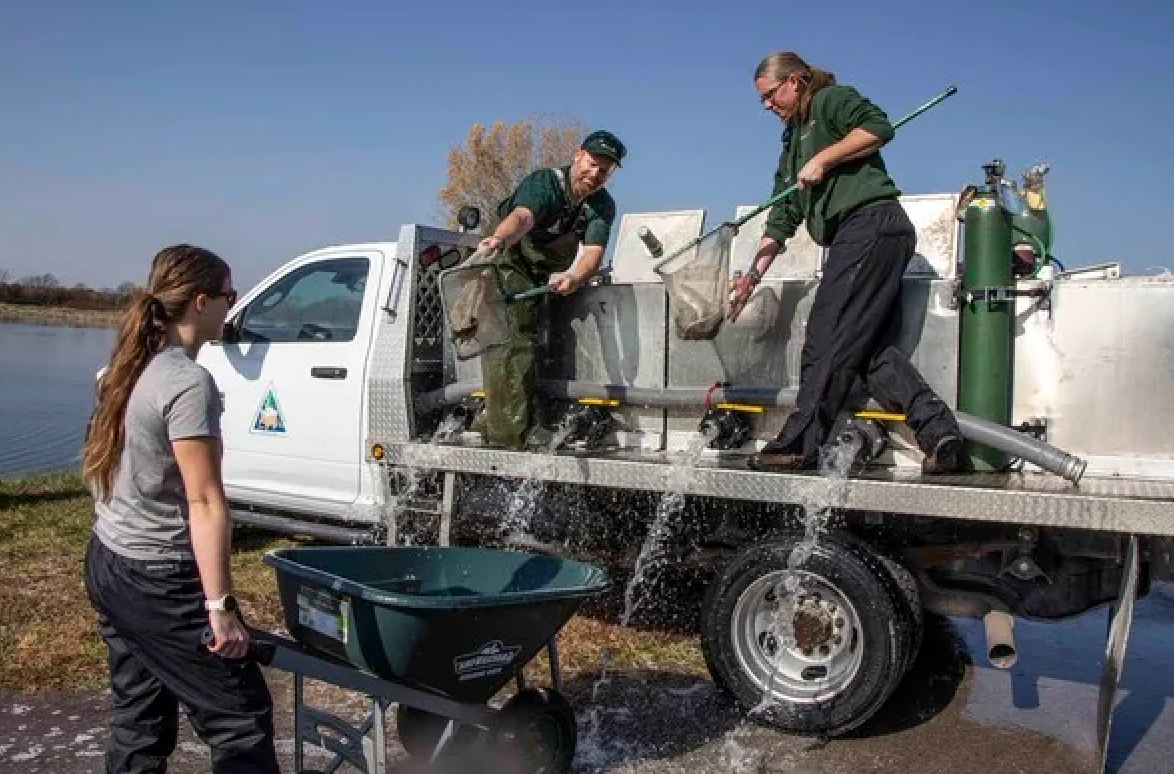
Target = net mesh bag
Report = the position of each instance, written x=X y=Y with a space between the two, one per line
x=697 y=281
x=474 y=307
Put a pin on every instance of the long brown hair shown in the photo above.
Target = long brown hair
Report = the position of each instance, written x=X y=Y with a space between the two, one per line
x=781 y=64
x=178 y=274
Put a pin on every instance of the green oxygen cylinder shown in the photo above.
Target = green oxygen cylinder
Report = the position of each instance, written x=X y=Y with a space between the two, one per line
x=987 y=343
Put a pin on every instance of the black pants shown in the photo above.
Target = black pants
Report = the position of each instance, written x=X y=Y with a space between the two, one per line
x=852 y=333
x=151 y=616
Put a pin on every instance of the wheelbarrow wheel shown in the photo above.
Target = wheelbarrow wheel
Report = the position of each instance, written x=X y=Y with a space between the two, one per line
x=814 y=643
x=536 y=734
x=419 y=731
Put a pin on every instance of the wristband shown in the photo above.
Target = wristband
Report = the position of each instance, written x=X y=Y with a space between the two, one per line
x=224 y=604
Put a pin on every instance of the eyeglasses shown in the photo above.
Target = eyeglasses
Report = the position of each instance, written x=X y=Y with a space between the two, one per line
x=769 y=95
x=230 y=296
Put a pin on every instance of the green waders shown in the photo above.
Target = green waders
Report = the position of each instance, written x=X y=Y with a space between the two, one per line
x=508 y=373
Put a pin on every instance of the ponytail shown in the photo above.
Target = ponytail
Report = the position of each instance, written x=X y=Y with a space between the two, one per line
x=140 y=336
x=815 y=80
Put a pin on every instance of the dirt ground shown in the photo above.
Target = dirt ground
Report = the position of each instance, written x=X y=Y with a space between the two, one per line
x=649 y=722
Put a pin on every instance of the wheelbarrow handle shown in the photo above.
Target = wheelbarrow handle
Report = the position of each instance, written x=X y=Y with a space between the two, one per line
x=260 y=652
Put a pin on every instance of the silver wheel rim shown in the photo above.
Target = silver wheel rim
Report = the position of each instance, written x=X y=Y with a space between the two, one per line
x=797 y=637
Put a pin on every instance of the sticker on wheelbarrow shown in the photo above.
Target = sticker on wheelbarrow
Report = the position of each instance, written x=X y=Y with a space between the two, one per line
x=490 y=659
x=323 y=613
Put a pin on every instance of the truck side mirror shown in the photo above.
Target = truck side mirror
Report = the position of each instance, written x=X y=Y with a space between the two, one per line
x=469 y=217
x=230 y=334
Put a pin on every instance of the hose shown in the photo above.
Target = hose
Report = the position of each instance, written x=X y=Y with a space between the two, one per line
x=992 y=434
x=1021 y=445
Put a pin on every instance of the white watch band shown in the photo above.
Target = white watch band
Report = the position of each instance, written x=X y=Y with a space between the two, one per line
x=218 y=605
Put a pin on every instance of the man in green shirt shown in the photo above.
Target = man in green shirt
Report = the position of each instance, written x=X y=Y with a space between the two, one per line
x=544 y=221
x=850 y=204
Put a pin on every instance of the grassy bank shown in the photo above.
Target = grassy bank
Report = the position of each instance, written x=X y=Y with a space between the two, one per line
x=56 y=315
x=48 y=637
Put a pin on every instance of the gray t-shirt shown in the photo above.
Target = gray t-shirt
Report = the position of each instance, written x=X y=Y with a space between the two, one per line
x=147 y=515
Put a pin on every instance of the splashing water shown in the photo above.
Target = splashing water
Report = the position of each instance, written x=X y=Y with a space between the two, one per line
x=416 y=462
x=516 y=524
x=835 y=461
x=672 y=503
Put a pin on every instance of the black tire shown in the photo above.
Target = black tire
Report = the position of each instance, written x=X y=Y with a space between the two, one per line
x=536 y=733
x=419 y=731
x=868 y=659
x=907 y=583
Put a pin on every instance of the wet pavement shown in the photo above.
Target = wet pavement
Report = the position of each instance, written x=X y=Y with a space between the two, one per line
x=954 y=714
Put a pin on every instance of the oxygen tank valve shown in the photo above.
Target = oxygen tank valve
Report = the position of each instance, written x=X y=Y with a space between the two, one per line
x=994 y=172
x=650 y=241
x=726 y=429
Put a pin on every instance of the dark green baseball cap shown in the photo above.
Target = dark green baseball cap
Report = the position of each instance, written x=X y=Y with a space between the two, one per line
x=606 y=144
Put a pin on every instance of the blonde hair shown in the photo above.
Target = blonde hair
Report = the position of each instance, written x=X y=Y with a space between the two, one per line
x=178 y=275
x=781 y=64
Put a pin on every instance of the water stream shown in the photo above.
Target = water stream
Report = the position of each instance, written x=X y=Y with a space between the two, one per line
x=418 y=461
x=835 y=462
x=517 y=524
x=672 y=504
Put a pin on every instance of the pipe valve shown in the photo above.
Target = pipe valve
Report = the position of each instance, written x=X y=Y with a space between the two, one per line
x=868 y=434
x=726 y=429
x=588 y=423
x=650 y=241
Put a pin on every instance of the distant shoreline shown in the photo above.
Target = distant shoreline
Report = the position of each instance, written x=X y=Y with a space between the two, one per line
x=60 y=316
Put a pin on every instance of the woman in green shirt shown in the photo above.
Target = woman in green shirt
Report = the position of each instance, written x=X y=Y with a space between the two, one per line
x=850 y=205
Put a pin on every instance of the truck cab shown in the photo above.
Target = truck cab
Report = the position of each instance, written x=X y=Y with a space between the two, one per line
x=292 y=370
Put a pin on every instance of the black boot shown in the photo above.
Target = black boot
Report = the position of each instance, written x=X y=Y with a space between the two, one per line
x=946 y=456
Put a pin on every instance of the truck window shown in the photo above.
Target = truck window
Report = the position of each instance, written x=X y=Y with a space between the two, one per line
x=318 y=302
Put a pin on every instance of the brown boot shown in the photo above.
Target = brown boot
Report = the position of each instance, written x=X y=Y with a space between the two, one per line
x=946 y=457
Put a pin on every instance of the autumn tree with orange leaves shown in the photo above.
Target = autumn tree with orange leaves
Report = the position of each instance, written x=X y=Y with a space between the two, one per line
x=492 y=162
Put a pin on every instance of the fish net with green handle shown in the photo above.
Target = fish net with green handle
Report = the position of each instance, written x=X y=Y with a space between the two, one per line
x=697 y=280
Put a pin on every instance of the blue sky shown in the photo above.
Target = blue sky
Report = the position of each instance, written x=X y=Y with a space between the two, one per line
x=264 y=129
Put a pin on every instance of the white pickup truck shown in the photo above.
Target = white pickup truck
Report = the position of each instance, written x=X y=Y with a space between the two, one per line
x=337 y=370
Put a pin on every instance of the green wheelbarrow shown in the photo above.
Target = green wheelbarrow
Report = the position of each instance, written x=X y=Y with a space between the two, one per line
x=438 y=631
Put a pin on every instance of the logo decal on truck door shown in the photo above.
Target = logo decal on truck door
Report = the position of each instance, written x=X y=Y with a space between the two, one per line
x=268 y=419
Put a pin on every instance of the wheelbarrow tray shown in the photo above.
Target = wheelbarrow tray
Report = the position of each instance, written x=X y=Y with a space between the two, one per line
x=457 y=621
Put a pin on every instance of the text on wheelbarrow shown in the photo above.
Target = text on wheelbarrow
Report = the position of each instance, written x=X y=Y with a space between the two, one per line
x=323 y=613
x=490 y=659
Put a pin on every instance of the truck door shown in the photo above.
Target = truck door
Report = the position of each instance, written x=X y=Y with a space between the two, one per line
x=293 y=384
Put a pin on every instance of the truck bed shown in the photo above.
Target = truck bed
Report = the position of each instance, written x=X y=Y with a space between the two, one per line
x=1132 y=506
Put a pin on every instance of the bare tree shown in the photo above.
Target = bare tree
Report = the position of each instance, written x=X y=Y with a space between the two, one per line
x=492 y=162
x=41 y=281
x=4 y=277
